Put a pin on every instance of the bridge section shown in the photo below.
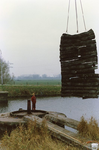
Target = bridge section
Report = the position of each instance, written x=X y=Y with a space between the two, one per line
x=78 y=57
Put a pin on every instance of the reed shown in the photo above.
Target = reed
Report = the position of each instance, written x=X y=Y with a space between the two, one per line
x=39 y=90
x=89 y=129
x=32 y=137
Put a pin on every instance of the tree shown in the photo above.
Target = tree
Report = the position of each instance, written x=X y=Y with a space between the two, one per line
x=4 y=72
x=44 y=76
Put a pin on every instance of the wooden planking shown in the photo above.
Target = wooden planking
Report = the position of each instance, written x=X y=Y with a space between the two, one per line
x=78 y=57
x=79 y=88
x=80 y=66
x=85 y=36
x=62 y=121
x=84 y=96
x=60 y=133
x=94 y=81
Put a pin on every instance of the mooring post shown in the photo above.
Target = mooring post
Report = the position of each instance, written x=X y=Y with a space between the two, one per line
x=29 y=106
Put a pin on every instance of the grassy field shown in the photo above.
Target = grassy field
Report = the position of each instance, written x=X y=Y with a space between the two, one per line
x=36 y=82
x=41 y=88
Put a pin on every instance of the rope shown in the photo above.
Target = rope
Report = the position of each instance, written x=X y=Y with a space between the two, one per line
x=83 y=15
x=68 y=16
x=76 y=15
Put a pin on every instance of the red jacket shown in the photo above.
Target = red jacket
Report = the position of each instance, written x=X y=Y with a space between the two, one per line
x=33 y=99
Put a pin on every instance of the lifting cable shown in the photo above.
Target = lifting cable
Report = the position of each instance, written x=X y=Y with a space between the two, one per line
x=83 y=15
x=68 y=16
x=76 y=15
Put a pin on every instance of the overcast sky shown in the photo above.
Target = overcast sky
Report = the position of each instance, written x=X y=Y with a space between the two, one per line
x=30 y=32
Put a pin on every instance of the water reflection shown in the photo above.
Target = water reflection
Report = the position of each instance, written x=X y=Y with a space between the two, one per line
x=73 y=107
x=3 y=107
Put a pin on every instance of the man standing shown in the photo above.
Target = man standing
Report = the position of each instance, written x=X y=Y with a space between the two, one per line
x=33 y=99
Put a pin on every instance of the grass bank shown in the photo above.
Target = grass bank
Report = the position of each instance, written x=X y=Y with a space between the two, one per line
x=27 y=90
x=32 y=137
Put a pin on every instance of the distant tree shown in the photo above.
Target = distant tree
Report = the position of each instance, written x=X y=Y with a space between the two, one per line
x=58 y=76
x=44 y=76
x=5 y=76
x=36 y=76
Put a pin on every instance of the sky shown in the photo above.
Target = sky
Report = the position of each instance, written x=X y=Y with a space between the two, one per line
x=30 y=32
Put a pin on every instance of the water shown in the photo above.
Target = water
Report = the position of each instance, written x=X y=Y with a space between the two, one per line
x=72 y=107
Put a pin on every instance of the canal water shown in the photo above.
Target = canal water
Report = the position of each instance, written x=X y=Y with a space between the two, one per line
x=72 y=107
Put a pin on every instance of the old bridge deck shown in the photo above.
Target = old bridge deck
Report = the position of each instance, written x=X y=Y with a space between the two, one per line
x=70 y=138
x=62 y=134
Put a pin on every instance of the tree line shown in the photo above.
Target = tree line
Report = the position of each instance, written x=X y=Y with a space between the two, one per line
x=38 y=77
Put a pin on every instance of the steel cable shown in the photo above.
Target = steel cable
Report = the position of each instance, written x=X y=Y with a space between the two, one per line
x=76 y=14
x=83 y=15
x=68 y=16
